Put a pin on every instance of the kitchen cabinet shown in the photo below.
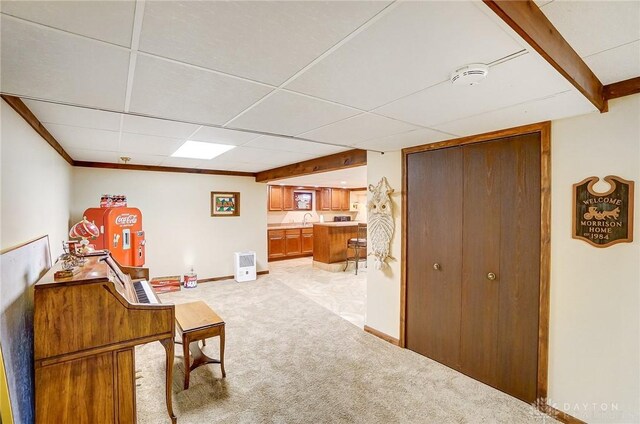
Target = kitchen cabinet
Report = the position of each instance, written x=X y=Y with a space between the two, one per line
x=293 y=243
x=287 y=198
x=276 y=198
x=276 y=244
x=345 y=200
x=323 y=199
x=336 y=199
x=290 y=243
x=307 y=240
x=281 y=198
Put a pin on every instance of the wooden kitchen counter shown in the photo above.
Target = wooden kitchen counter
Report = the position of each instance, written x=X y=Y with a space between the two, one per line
x=330 y=240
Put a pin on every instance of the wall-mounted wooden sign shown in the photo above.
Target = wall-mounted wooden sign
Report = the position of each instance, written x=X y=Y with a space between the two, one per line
x=603 y=219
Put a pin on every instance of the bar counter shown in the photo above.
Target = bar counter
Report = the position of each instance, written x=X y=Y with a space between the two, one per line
x=330 y=240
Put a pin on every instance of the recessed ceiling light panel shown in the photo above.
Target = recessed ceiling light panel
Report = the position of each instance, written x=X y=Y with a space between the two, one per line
x=200 y=150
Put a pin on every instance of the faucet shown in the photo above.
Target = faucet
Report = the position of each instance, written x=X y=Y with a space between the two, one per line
x=304 y=218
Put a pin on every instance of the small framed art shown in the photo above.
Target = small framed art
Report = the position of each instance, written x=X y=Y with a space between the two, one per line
x=225 y=203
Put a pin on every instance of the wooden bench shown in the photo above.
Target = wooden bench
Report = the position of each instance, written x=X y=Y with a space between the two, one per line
x=197 y=321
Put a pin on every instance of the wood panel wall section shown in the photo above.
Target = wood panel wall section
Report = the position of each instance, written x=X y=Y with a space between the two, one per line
x=526 y=18
x=544 y=130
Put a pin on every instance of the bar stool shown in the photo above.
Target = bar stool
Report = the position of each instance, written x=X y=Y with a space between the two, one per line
x=358 y=245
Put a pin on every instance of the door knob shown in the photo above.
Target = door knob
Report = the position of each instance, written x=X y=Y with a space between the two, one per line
x=491 y=276
x=436 y=266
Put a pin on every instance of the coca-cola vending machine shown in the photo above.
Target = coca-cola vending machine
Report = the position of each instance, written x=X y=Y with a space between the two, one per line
x=120 y=232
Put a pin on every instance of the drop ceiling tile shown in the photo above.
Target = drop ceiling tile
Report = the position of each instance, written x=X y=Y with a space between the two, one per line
x=250 y=39
x=359 y=128
x=292 y=145
x=149 y=144
x=291 y=114
x=171 y=90
x=618 y=64
x=83 y=138
x=563 y=105
x=518 y=80
x=262 y=156
x=162 y=128
x=110 y=21
x=223 y=136
x=399 y=141
x=84 y=155
x=44 y=63
x=414 y=46
x=594 y=26
x=75 y=116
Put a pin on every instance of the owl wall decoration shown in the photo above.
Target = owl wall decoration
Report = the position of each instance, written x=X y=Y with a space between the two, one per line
x=381 y=225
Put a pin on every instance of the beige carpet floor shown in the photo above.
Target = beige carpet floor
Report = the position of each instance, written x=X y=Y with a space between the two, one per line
x=290 y=360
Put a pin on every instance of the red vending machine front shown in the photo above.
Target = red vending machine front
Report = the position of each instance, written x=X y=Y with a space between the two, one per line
x=120 y=232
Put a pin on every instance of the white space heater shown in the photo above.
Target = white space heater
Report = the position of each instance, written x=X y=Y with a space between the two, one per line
x=245 y=266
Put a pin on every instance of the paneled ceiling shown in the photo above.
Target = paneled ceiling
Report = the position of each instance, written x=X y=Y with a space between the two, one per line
x=302 y=79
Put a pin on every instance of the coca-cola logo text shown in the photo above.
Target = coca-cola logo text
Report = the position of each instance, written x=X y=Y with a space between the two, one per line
x=126 y=219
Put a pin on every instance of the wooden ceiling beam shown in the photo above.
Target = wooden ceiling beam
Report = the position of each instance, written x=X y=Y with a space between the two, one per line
x=526 y=18
x=343 y=160
x=622 y=88
x=18 y=105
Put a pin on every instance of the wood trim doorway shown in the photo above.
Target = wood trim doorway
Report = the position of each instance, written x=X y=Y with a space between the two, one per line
x=544 y=129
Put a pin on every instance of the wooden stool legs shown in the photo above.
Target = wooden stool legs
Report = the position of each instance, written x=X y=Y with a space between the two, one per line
x=191 y=348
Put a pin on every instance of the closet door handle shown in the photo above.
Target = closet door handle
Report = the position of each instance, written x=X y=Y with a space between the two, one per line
x=491 y=276
x=436 y=266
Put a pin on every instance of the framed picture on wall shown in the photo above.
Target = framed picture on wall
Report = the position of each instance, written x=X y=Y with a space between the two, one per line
x=302 y=201
x=225 y=203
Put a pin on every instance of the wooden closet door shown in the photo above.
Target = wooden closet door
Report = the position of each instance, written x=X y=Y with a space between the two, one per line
x=501 y=235
x=519 y=278
x=481 y=255
x=434 y=216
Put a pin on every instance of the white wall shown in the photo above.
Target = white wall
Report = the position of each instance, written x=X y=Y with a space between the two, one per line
x=383 y=287
x=176 y=215
x=594 y=344
x=36 y=185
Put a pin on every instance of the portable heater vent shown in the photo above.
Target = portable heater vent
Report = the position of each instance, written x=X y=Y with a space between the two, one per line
x=245 y=266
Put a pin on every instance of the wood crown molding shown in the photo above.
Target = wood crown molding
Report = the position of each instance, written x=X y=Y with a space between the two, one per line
x=622 y=88
x=343 y=160
x=133 y=167
x=526 y=18
x=18 y=105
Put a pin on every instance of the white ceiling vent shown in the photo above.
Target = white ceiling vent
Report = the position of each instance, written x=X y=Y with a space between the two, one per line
x=470 y=74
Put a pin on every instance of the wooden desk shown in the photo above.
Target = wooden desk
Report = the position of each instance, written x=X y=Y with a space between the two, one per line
x=197 y=321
